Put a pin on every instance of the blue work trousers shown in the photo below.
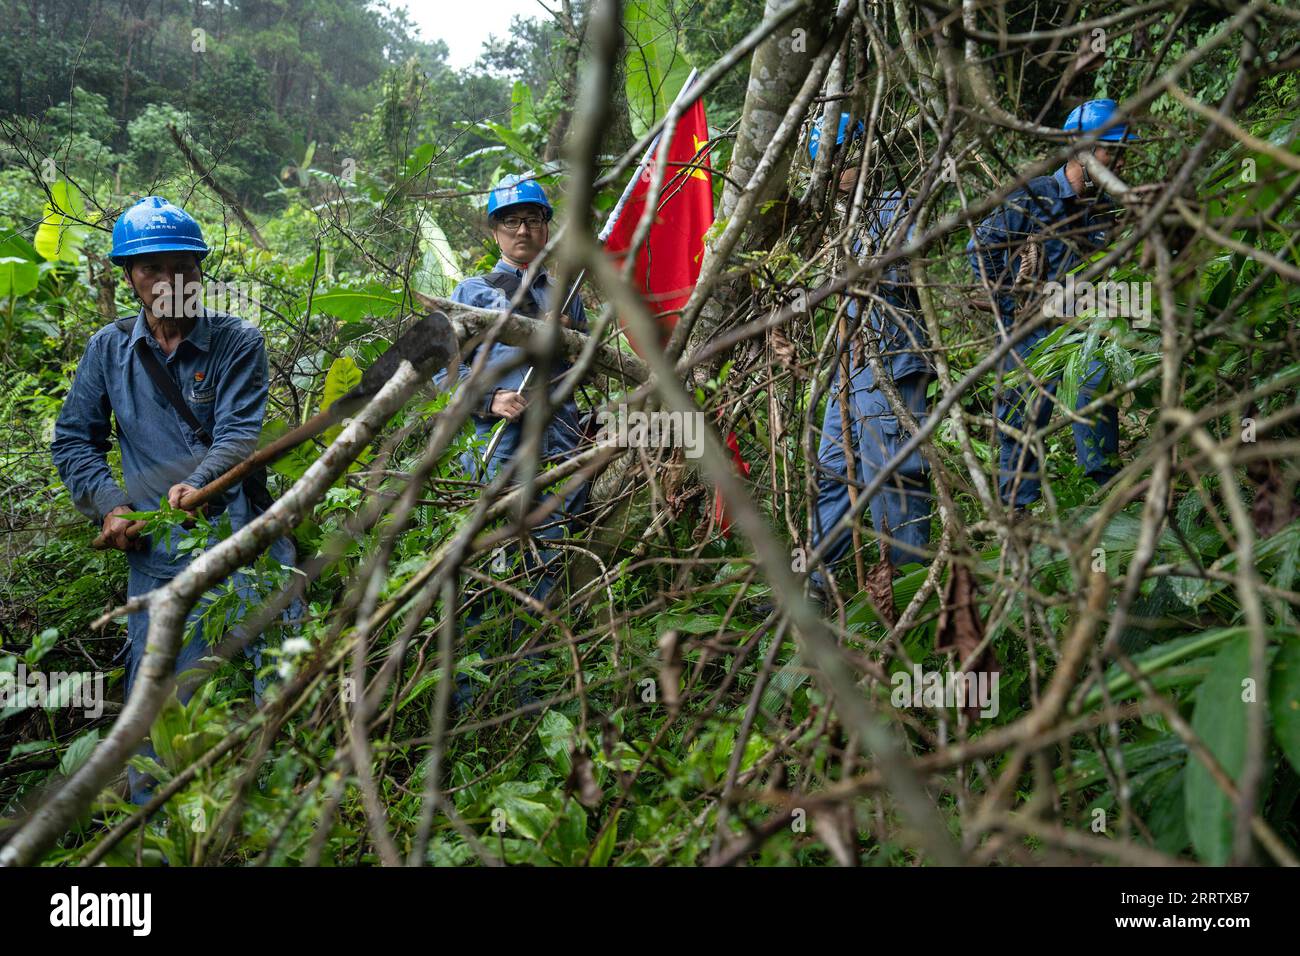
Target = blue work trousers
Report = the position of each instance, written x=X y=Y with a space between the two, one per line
x=1096 y=444
x=904 y=502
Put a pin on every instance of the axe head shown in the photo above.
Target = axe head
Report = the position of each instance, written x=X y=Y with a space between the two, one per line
x=428 y=345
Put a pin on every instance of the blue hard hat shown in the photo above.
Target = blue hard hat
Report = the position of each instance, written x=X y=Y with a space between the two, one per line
x=1095 y=114
x=155 y=225
x=814 y=138
x=518 y=191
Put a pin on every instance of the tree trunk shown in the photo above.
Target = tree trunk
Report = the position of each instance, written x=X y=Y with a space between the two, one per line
x=560 y=126
x=778 y=73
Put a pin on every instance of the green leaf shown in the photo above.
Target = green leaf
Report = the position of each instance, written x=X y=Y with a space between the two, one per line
x=1166 y=815
x=525 y=816
x=556 y=733
x=567 y=844
x=722 y=747
x=59 y=236
x=521 y=106
x=294 y=463
x=655 y=69
x=42 y=644
x=17 y=276
x=30 y=747
x=439 y=271
x=513 y=141
x=1155 y=659
x=352 y=305
x=78 y=752
x=15 y=245
x=343 y=376
x=419 y=159
x=604 y=850
x=1284 y=700
x=1219 y=720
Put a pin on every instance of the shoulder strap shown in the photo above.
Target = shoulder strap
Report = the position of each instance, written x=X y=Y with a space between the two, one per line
x=255 y=482
x=508 y=284
x=165 y=384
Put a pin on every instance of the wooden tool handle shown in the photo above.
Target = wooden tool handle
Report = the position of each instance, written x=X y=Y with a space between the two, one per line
x=268 y=453
x=133 y=531
x=308 y=429
x=430 y=342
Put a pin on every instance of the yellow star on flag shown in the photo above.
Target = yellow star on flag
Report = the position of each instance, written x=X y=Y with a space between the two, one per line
x=699 y=170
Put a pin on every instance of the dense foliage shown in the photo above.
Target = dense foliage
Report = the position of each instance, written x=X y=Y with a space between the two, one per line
x=684 y=723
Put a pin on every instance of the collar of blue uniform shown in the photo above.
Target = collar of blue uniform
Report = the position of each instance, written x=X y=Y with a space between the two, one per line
x=200 y=336
x=1063 y=184
x=542 y=276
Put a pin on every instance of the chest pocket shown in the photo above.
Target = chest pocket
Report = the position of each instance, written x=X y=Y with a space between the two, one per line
x=203 y=400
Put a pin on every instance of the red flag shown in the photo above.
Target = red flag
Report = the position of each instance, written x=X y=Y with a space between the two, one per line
x=668 y=262
x=720 y=516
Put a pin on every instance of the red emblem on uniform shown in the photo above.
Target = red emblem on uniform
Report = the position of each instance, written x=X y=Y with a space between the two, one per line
x=198 y=376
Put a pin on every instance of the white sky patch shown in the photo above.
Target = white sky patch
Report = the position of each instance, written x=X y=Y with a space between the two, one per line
x=464 y=25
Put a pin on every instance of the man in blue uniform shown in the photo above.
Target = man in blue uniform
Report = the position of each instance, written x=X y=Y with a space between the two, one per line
x=519 y=215
x=1043 y=231
x=901 y=509
x=216 y=367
